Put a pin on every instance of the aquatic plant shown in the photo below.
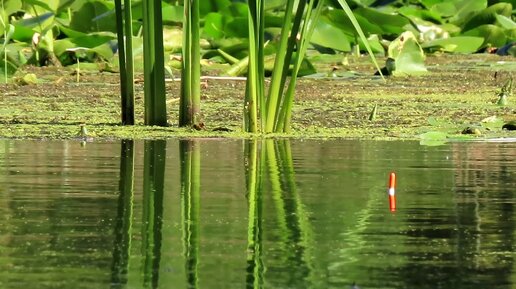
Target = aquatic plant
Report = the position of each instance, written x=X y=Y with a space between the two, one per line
x=275 y=110
x=124 y=26
x=154 y=64
x=190 y=99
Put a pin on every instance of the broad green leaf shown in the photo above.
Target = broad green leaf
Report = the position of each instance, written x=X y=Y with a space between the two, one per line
x=172 y=14
x=414 y=13
x=207 y=6
x=374 y=43
x=488 y=15
x=339 y=19
x=408 y=56
x=22 y=33
x=329 y=36
x=7 y=8
x=390 y=23
x=459 y=44
x=445 y=9
x=493 y=35
x=81 y=18
x=213 y=26
x=466 y=8
x=89 y=41
x=70 y=32
x=505 y=22
x=44 y=5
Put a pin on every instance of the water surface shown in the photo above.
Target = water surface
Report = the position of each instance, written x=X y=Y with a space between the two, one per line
x=265 y=214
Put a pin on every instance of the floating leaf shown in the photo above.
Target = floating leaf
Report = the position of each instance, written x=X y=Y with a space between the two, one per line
x=329 y=36
x=459 y=44
x=493 y=35
x=488 y=15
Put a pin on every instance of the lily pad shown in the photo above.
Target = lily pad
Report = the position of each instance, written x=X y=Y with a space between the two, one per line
x=459 y=44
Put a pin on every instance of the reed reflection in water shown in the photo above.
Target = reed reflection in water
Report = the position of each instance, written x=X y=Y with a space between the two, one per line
x=256 y=214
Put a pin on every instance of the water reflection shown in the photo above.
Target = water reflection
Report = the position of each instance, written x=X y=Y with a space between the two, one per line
x=274 y=213
x=123 y=227
x=190 y=157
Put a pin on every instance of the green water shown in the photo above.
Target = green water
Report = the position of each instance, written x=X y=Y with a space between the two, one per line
x=240 y=214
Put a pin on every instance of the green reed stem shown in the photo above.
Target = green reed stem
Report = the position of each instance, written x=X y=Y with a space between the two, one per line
x=254 y=102
x=274 y=95
x=154 y=64
x=284 y=119
x=190 y=100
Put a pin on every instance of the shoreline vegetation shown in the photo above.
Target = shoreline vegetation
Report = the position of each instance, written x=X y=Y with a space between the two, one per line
x=458 y=93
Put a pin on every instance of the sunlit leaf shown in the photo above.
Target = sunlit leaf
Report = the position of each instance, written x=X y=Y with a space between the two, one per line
x=459 y=44
x=488 y=15
x=505 y=22
x=492 y=34
x=329 y=36
x=390 y=23
x=213 y=25
x=408 y=56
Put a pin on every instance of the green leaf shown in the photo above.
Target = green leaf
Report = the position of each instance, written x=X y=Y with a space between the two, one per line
x=213 y=5
x=9 y=7
x=505 y=22
x=89 y=41
x=459 y=44
x=213 y=26
x=408 y=56
x=492 y=34
x=327 y=35
x=40 y=4
x=488 y=15
x=81 y=18
x=390 y=23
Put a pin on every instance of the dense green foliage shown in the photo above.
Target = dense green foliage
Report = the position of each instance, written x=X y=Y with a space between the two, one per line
x=46 y=28
x=229 y=33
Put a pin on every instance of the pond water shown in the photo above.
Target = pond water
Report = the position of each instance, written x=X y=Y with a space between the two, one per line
x=256 y=214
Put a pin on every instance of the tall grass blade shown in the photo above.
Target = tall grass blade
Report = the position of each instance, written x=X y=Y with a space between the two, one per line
x=281 y=65
x=285 y=115
x=255 y=97
x=361 y=34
